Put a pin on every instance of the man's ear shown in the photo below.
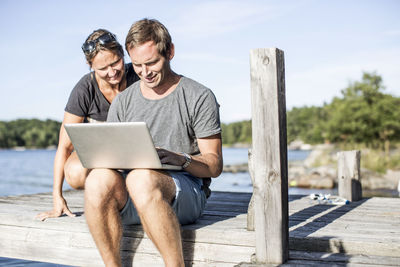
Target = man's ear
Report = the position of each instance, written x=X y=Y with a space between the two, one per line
x=171 y=52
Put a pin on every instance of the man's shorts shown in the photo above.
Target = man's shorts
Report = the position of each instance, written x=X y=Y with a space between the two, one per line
x=188 y=204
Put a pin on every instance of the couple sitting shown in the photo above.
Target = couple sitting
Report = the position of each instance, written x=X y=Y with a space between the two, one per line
x=183 y=118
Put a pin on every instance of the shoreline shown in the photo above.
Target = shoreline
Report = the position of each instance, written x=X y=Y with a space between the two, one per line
x=319 y=171
x=319 y=179
x=315 y=172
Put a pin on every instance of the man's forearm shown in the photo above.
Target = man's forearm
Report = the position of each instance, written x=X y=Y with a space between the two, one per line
x=205 y=165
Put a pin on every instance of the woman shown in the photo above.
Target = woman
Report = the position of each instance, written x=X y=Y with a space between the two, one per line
x=89 y=102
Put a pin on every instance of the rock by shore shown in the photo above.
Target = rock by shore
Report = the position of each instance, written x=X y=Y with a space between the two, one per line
x=235 y=168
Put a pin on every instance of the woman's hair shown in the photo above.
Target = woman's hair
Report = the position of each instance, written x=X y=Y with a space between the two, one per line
x=146 y=30
x=110 y=45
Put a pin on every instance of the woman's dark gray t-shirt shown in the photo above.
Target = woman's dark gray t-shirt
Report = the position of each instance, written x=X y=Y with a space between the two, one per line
x=86 y=99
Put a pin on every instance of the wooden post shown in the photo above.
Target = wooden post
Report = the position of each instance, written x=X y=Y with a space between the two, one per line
x=349 y=178
x=269 y=155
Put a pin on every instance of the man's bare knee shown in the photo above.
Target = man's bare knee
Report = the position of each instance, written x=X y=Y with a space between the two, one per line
x=146 y=186
x=103 y=187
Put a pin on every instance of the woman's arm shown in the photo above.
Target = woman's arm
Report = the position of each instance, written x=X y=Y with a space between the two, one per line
x=64 y=150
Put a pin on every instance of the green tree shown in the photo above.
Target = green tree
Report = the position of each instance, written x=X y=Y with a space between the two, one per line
x=236 y=132
x=306 y=124
x=7 y=138
x=29 y=133
x=364 y=114
x=245 y=132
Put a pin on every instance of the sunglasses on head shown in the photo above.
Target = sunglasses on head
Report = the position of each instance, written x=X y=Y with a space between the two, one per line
x=90 y=46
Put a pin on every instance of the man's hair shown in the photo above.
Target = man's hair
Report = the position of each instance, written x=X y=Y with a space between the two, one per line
x=146 y=30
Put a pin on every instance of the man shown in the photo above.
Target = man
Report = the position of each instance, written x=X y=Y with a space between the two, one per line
x=183 y=119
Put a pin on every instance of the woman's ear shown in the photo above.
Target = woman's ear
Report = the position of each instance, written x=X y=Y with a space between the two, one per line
x=171 y=52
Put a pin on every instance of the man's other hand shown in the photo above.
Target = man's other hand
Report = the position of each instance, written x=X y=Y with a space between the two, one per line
x=171 y=158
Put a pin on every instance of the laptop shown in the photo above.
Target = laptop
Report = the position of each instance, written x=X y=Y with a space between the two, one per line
x=115 y=145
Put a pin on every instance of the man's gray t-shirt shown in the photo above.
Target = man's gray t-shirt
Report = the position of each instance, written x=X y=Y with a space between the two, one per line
x=175 y=121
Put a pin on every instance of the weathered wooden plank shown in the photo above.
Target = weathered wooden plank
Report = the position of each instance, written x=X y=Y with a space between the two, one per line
x=378 y=209
x=269 y=154
x=78 y=194
x=348 y=217
x=154 y=260
x=37 y=241
x=349 y=246
x=307 y=263
x=226 y=202
x=221 y=234
x=48 y=253
x=376 y=228
x=344 y=258
x=349 y=210
x=391 y=237
x=196 y=251
x=345 y=236
x=312 y=262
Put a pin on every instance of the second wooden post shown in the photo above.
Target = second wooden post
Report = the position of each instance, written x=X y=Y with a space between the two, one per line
x=349 y=175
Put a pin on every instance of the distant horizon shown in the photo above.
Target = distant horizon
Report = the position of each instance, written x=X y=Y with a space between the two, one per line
x=244 y=119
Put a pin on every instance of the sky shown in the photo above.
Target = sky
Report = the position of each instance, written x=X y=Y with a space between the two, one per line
x=327 y=45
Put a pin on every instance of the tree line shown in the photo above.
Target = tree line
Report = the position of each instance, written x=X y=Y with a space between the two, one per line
x=35 y=133
x=29 y=133
x=363 y=114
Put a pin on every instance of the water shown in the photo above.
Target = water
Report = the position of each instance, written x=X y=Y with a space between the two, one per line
x=26 y=172
x=31 y=171
x=241 y=182
x=19 y=263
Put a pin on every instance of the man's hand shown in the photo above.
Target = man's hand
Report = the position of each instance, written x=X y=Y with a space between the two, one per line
x=60 y=207
x=206 y=164
x=171 y=158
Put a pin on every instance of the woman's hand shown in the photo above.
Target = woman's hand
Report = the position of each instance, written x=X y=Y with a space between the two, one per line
x=60 y=207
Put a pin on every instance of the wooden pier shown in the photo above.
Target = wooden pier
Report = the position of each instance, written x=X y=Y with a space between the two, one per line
x=361 y=233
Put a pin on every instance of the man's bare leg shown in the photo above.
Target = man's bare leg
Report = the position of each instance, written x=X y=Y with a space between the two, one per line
x=105 y=196
x=75 y=173
x=152 y=193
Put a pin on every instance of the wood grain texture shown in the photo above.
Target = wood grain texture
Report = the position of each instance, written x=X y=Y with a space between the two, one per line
x=269 y=155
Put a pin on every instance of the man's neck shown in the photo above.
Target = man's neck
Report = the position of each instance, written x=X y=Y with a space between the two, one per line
x=168 y=85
